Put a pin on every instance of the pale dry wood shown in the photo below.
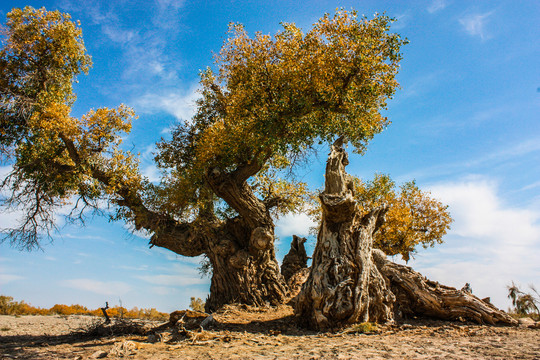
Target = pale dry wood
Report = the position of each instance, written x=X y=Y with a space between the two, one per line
x=350 y=282
x=344 y=286
x=419 y=296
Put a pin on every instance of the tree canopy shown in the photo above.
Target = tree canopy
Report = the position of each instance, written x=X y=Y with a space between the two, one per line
x=413 y=218
x=55 y=157
x=270 y=99
x=265 y=105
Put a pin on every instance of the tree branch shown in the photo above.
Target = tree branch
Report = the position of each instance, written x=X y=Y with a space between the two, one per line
x=181 y=238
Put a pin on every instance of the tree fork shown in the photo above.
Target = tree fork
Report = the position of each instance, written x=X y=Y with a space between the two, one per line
x=351 y=282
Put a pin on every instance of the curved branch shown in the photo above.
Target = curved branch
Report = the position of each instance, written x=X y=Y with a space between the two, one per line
x=181 y=238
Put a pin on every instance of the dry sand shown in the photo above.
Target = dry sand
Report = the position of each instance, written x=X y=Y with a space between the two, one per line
x=251 y=333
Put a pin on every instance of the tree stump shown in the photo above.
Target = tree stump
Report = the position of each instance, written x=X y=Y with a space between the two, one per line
x=344 y=285
x=296 y=259
x=351 y=282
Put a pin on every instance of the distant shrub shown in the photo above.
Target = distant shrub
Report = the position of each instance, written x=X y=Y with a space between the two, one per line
x=196 y=304
x=8 y=306
x=525 y=304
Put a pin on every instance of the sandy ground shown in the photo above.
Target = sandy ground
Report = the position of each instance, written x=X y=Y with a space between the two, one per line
x=250 y=333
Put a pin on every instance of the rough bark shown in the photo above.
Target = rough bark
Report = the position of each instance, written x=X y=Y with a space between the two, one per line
x=352 y=282
x=245 y=274
x=244 y=265
x=296 y=259
x=421 y=297
x=344 y=286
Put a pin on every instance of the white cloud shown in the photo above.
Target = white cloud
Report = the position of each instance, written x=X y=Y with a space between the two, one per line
x=116 y=288
x=490 y=243
x=294 y=224
x=7 y=278
x=144 y=48
x=437 y=5
x=475 y=24
x=179 y=104
x=152 y=173
x=186 y=279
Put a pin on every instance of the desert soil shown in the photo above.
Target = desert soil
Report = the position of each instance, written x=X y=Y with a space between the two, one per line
x=253 y=333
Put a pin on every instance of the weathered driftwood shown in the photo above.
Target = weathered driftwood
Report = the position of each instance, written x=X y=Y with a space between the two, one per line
x=419 y=296
x=344 y=286
x=296 y=259
x=351 y=282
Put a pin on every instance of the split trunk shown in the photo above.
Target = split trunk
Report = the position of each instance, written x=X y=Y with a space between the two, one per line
x=350 y=282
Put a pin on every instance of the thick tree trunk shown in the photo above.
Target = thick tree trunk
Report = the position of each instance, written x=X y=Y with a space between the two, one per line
x=344 y=286
x=352 y=282
x=244 y=276
x=244 y=265
x=418 y=296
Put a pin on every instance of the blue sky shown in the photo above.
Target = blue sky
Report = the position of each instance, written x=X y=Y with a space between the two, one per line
x=465 y=125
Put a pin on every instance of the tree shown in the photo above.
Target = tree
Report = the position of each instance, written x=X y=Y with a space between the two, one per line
x=350 y=281
x=412 y=218
x=269 y=102
x=524 y=303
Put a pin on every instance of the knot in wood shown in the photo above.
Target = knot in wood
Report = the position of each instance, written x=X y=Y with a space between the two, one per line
x=261 y=238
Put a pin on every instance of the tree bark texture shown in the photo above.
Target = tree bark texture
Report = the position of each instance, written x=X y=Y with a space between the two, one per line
x=351 y=282
x=244 y=265
x=247 y=274
x=344 y=285
x=419 y=296
x=296 y=259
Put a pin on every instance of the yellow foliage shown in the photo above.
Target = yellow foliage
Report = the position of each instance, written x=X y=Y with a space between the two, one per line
x=413 y=218
x=10 y=307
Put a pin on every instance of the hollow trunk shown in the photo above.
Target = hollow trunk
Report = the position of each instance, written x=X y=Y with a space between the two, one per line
x=344 y=285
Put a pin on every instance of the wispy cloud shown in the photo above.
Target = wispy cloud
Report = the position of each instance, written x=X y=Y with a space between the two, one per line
x=116 y=288
x=180 y=104
x=294 y=224
x=191 y=278
x=144 y=47
x=420 y=85
x=402 y=21
x=475 y=24
x=506 y=155
x=437 y=5
x=7 y=278
x=490 y=244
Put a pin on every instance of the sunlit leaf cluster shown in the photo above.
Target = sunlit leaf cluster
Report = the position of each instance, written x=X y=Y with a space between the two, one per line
x=414 y=217
x=56 y=158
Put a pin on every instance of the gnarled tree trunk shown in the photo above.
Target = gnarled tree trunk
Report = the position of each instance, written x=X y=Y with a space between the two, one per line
x=419 y=296
x=352 y=282
x=344 y=285
x=244 y=265
x=245 y=272
x=296 y=259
